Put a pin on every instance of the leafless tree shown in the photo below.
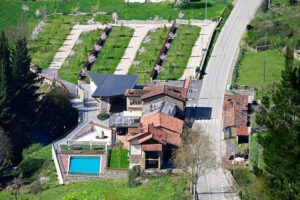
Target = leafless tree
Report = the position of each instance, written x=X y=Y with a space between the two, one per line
x=195 y=154
x=5 y=150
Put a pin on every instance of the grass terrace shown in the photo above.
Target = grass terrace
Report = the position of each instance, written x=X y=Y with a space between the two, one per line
x=118 y=159
x=75 y=63
x=51 y=38
x=147 y=59
x=113 y=50
x=108 y=58
x=179 y=52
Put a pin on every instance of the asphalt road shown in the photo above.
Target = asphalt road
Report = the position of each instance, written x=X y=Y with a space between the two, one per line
x=213 y=184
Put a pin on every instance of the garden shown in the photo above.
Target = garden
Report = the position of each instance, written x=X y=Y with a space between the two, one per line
x=179 y=53
x=108 y=57
x=147 y=54
x=49 y=35
x=173 y=59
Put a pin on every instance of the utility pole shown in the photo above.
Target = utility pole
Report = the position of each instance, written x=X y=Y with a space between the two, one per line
x=206 y=9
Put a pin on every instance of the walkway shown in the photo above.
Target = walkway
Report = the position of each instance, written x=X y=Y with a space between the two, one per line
x=64 y=51
x=200 y=47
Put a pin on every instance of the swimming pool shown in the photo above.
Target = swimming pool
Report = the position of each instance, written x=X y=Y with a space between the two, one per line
x=85 y=165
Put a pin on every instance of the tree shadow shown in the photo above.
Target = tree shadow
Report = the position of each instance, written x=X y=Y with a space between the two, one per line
x=196 y=5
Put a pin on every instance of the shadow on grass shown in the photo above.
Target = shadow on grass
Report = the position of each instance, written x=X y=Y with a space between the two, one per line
x=196 y=5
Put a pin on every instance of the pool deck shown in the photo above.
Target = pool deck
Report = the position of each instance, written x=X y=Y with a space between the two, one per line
x=64 y=163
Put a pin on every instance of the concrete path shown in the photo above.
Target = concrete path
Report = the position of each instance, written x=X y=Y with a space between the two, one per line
x=200 y=48
x=133 y=46
x=141 y=28
x=64 y=51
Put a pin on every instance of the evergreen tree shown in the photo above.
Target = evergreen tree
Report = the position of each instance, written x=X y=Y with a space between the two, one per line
x=24 y=85
x=281 y=140
x=6 y=115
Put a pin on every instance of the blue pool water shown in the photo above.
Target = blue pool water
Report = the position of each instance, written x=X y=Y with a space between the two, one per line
x=85 y=165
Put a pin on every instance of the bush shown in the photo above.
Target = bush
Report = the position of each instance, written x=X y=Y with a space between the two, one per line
x=132 y=175
x=31 y=149
x=103 y=116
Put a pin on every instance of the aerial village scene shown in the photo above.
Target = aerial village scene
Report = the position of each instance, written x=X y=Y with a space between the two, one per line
x=150 y=99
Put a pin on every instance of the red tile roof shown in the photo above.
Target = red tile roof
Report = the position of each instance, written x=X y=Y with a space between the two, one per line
x=164 y=121
x=178 y=93
x=152 y=147
x=242 y=131
x=160 y=135
x=235 y=110
x=135 y=92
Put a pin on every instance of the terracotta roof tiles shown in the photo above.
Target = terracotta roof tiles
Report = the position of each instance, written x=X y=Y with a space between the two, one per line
x=175 y=92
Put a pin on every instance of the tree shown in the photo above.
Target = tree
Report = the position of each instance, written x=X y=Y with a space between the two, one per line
x=57 y=113
x=25 y=85
x=6 y=115
x=5 y=150
x=265 y=6
x=280 y=142
x=195 y=154
x=293 y=2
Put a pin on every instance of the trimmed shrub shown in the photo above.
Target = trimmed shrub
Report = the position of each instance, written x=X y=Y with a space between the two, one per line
x=133 y=174
x=103 y=116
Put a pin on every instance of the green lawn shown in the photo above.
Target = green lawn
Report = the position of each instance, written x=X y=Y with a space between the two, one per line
x=114 y=161
x=108 y=58
x=174 y=187
x=251 y=69
x=11 y=9
x=179 y=52
x=147 y=59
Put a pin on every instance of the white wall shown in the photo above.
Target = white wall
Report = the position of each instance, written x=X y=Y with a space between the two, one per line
x=135 y=149
x=93 y=87
x=58 y=171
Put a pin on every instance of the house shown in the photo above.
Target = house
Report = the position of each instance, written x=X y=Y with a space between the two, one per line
x=34 y=68
x=151 y=144
x=235 y=115
x=137 y=99
x=242 y=134
x=83 y=152
x=109 y=89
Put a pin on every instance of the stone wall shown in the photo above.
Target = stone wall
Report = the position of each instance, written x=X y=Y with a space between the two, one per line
x=115 y=174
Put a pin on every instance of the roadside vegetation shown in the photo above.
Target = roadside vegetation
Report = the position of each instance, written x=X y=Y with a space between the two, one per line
x=274 y=27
